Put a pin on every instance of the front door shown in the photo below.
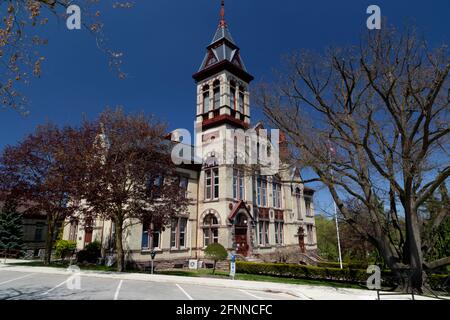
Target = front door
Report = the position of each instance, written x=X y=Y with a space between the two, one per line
x=241 y=235
x=241 y=241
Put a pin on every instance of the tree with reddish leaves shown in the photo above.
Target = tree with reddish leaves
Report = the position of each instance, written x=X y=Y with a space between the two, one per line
x=129 y=175
x=42 y=173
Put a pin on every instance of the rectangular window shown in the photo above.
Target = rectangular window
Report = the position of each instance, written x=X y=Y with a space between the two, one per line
x=151 y=239
x=182 y=233
x=279 y=232
x=208 y=184
x=216 y=183
x=205 y=102
x=210 y=235
x=308 y=207
x=238 y=185
x=173 y=233
x=184 y=184
x=212 y=184
x=309 y=229
x=233 y=98
x=262 y=192
x=241 y=102
x=276 y=193
x=73 y=230
x=216 y=98
x=264 y=233
x=38 y=232
x=178 y=233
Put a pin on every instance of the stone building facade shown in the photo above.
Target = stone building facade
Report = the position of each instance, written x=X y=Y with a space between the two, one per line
x=249 y=213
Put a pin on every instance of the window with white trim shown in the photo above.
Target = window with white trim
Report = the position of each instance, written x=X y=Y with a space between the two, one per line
x=298 y=203
x=210 y=230
x=238 y=185
x=151 y=237
x=212 y=184
x=263 y=229
x=216 y=92
x=310 y=235
x=308 y=207
x=279 y=225
x=178 y=233
x=261 y=191
x=276 y=194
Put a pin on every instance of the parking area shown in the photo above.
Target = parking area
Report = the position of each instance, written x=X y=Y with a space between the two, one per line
x=43 y=286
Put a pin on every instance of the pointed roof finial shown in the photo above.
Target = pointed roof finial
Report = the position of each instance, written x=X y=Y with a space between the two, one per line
x=222 y=15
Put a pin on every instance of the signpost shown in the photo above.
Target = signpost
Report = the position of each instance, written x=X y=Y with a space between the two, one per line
x=233 y=266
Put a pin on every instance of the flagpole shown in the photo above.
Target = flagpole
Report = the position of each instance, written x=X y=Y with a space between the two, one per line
x=337 y=232
x=336 y=213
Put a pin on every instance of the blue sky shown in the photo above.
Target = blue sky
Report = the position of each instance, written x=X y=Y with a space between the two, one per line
x=164 y=43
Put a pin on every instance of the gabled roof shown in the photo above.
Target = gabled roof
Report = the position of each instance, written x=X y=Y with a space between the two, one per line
x=237 y=207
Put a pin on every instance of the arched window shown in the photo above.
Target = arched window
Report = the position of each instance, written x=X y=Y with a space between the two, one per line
x=233 y=95
x=216 y=90
x=210 y=230
x=206 y=103
x=298 y=203
x=241 y=99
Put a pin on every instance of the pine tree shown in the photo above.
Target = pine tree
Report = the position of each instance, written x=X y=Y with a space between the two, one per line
x=11 y=228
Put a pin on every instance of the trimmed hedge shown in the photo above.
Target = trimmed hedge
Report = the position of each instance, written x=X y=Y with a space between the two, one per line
x=351 y=265
x=440 y=282
x=301 y=271
x=437 y=281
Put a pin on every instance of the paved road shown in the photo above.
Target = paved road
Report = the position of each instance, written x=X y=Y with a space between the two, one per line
x=41 y=286
x=39 y=283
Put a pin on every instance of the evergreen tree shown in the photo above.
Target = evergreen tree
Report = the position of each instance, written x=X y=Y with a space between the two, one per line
x=11 y=228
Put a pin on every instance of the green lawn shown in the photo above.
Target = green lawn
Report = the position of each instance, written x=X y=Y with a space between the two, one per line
x=263 y=278
x=206 y=273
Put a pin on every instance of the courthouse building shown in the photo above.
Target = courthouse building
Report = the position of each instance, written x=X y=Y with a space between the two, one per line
x=249 y=213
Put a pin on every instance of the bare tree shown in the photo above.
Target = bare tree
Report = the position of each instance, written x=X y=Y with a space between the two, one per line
x=22 y=21
x=372 y=123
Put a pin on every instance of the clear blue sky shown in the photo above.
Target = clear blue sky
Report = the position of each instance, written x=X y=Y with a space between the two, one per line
x=164 y=43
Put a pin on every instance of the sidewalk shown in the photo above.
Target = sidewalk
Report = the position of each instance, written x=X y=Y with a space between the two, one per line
x=304 y=292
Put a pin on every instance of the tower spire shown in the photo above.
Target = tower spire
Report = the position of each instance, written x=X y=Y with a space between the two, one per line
x=222 y=15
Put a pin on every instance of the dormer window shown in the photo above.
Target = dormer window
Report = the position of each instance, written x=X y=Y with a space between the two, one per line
x=216 y=94
x=206 y=103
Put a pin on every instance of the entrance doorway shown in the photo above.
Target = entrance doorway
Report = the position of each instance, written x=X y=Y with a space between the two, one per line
x=241 y=235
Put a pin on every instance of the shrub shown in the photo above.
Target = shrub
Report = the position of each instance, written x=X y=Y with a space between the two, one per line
x=216 y=252
x=91 y=253
x=351 y=265
x=300 y=271
x=64 y=247
x=440 y=282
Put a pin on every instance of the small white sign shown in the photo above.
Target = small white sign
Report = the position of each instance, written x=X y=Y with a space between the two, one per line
x=232 y=269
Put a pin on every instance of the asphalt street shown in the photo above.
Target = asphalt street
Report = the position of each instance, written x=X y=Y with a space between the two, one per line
x=40 y=286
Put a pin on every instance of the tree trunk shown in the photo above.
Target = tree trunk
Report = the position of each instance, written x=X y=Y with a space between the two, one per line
x=49 y=241
x=119 y=246
x=414 y=254
x=214 y=269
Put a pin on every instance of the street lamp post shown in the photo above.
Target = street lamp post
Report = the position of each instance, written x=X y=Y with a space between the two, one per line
x=153 y=255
